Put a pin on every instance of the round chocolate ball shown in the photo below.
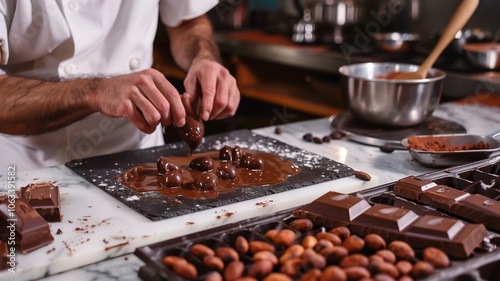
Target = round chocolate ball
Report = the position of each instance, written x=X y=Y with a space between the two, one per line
x=204 y=163
x=225 y=154
x=226 y=171
x=171 y=179
x=252 y=162
x=236 y=155
x=206 y=181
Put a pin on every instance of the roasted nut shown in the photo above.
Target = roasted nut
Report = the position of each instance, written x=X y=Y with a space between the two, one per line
x=402 y=250
x=374 y=242
x=311 y=275
x=383 y=277
x=257 y=246
x=294 y=251
x=186 y=270
x=291 y=267
x=387 y=255
x=362 y=175
x=356 y=272
x=266 y=256
x=311 y=259
x=227 y=254
x=387 y=268
x=213 y=262
x=333 y=272
x=241 y=244
x=234 y=270
x=354 y=260
x=376 y=258
x=334 y=254
x=302 y=225
x=171 y=260
x=336 y=241
x=421 y=269
x=213 y=276
x=322 y=244
x=246 y=278
x=404 y=267
x=277 y=277
x=436 y=257
x=405 y=278
x=341 y=231
x=270 y=234
x=354 y=244
x=309 y=242
x=201 y=250
x=285 y=237
x=260 y=268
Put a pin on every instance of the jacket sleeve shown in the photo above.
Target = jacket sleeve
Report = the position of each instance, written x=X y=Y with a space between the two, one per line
x=173 y=12
x=4 y=46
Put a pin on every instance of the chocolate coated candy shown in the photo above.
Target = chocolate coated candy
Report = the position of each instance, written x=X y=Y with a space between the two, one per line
x=236 y=155
x=192 y=133
x=166 y=165
x=134 y=174
x=204 y=163
x=225 y=154
x=226 y=171
x=172 y=179
x=206 y=181
x=251 y=162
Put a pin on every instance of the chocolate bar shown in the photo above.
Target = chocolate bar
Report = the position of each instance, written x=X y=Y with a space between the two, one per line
x=474 y=207
x=394 y=223
x=31 y=230
x=44 y=198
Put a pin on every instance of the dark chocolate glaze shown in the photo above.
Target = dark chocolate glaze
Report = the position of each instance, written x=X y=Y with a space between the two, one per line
x=274 y=170
x=192 y=132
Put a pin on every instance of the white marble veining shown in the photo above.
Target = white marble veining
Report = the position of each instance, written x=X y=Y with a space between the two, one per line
x=94 y=221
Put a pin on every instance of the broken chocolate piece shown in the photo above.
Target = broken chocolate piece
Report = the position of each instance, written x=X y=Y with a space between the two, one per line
x=32 y=231
x=45 y=199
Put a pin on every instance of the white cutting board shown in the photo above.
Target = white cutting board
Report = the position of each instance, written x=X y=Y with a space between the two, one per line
x=96 y=226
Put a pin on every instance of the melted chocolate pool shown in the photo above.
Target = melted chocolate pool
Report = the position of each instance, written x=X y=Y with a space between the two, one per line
x=200 y=178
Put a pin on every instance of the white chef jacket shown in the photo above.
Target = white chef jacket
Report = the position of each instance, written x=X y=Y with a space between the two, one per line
x=78 y=38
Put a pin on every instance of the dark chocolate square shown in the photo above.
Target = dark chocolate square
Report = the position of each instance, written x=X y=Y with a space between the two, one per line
x=444 y=197
x=44 y=198
x=435 y=226
x=385 y=216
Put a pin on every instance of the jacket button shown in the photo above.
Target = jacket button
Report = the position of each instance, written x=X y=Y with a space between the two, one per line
x=134 y=63
x=72 y=5
x=70 y=69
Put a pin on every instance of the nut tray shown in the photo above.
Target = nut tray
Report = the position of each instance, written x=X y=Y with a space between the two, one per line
x=483 y=263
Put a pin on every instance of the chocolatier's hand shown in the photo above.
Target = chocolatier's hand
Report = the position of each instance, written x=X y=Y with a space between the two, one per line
x=145 y=98
x=220 y=96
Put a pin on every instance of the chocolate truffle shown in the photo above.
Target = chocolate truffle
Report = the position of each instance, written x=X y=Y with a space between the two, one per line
x=203 y=163
x=226 y=171
x=166 y=165
x=206 y=181
x=171 y=179
x=192 y=132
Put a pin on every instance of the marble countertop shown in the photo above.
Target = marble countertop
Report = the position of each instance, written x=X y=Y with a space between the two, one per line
x=115 y=221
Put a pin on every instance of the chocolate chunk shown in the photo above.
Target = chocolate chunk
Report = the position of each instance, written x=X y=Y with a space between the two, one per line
x=134 y=174
x=45 y=199
x=226 y=171
x=31 y=230
x=206 y=181
x=204 y=163
x=171 y=179
x=479 y=208
x=4 y=259
x=333 y=209
x=410 y=187
x=225 y=154
x=386 y=216
x=166 y=165
x=192 y=132
x=442 y=196
x=252 y=162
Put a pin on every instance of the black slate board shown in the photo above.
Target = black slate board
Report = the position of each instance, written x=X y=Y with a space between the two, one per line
x=101 y=170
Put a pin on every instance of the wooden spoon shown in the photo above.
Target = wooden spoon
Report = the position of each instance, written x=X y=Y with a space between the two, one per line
x=457 y=22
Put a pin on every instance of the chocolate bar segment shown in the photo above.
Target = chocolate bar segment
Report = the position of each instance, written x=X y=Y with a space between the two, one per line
x=44 y=198
x=474 y=207
x=333 y=209
x=395 y=223
x=32 y=231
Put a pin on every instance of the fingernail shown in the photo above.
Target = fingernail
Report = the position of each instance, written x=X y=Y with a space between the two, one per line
x=181 y=123
x=205 y=116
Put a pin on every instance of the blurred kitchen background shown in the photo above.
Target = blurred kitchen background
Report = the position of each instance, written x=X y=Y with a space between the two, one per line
x=285 y=54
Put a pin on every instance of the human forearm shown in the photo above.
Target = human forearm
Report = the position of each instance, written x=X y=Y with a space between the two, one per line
x=31 y=106
x=193 y=40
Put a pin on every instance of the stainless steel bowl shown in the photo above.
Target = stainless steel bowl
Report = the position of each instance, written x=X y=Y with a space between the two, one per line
x=483 y=55
x=388 y=102
x=396 y=42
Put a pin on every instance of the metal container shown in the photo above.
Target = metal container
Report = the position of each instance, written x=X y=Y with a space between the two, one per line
x=396 y=42
x=443 y=159
x=394 y=103
x=483 y=55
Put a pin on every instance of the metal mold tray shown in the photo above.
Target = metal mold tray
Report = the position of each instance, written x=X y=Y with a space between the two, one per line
x=483 y=264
